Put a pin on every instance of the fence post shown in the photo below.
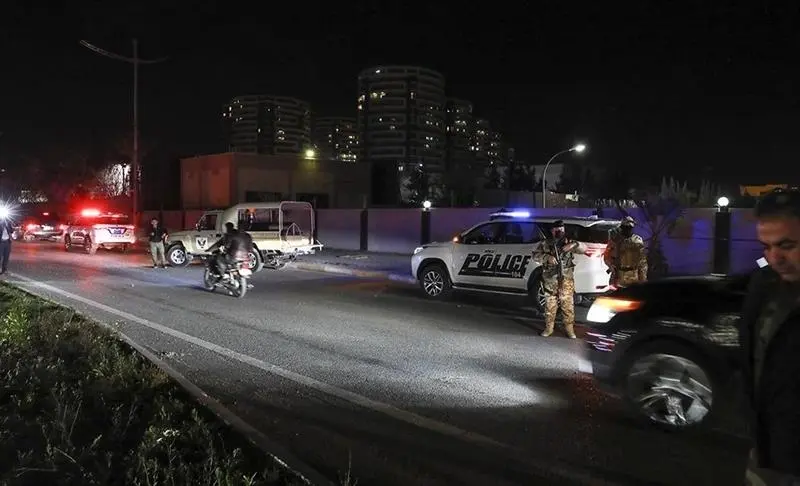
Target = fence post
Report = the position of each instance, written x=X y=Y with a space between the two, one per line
x=722 y=241
x=364 y=230
x=425 y=230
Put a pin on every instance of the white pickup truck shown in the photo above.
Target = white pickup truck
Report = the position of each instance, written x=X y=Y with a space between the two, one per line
x=281 y=232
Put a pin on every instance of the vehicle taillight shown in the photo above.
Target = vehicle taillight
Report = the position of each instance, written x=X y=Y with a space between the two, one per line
x=90 y=213
x=595 y=249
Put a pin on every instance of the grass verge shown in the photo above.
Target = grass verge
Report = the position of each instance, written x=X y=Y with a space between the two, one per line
x=79 y=406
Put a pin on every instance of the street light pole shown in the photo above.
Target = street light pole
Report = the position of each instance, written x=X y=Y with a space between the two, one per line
x=135 y=157
x=135 y=60
x=578 y=148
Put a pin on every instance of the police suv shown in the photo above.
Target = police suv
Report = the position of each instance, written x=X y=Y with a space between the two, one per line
x=497 y=257
x=93 y=229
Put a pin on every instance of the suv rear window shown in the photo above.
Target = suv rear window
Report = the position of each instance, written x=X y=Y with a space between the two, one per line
x=107 y=220
x=596 y=233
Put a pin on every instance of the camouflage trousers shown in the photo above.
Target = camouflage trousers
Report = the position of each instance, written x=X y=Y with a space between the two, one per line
x=559 y=294
x=625 y=278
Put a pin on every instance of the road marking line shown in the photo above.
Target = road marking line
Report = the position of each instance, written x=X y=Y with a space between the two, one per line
x=354 y=398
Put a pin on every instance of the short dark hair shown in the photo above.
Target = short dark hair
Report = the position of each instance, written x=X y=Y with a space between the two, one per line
x=779 y=203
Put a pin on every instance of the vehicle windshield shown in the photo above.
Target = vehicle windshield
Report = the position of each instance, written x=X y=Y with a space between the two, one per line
x=596 y=233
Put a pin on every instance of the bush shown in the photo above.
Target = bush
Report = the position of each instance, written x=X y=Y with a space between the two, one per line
x=78 y=406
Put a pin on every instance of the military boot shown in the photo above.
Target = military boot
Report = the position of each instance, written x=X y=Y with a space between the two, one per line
x=548 y=330
x=570 y=329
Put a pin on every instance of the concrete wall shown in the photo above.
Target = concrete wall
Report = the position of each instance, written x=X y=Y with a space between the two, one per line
x=744 y=245
x=335 y=228
x=688 y=247
x=394 y=230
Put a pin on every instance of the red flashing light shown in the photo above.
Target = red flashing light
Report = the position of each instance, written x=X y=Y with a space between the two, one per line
x=45 y=214
x=90 y=213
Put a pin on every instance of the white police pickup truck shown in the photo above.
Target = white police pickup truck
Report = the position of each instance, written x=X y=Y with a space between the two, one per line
x=497 y=257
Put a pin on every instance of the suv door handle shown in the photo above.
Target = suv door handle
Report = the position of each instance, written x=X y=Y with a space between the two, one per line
x=218 y=236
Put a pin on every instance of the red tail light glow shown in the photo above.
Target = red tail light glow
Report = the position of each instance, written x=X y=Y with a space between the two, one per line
x=90 y=213
x=595 y=249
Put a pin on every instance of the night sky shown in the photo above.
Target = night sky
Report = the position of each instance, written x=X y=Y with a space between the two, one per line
x=701 y=89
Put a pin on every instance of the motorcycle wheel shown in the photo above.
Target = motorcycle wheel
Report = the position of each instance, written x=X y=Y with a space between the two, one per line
x=208 y=280
x=242 y=288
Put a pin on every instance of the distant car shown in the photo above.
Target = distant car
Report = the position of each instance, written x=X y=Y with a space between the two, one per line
x=93 y=229
x=46 y=226
x=496 y=257
x=669 y=347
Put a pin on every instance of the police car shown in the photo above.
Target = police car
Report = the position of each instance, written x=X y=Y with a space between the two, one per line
x=496 y=257
x=93 y=229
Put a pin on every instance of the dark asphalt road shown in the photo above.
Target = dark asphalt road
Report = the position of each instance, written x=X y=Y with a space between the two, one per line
x=414 y=392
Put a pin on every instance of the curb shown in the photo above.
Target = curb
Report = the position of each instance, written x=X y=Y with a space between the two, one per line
x=278 y=453
x=344 y=270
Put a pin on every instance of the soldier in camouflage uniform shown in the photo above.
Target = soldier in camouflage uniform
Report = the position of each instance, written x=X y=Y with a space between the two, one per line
x=625 y=256
x=556 y=255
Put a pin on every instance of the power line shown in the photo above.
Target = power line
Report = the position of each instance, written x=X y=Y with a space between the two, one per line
x=136 y=61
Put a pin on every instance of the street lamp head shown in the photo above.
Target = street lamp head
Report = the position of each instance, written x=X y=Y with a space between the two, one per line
x=579 y=148
x=723 y=202
x=426 y=204
x=311 y=153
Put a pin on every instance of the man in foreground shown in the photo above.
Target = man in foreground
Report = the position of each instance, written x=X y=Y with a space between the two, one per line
x=770 y=341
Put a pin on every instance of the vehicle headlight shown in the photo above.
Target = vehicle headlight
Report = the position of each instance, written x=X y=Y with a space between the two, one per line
x=418 y=249
x=605 y=308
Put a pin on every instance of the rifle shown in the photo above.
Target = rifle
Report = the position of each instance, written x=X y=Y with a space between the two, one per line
x=559 y=263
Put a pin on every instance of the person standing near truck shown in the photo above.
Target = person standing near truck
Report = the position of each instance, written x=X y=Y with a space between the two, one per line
x=158 y=235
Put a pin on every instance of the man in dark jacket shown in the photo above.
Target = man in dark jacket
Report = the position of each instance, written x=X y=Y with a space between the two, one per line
x=6 y=234
x=770 y=338
x=236 y=244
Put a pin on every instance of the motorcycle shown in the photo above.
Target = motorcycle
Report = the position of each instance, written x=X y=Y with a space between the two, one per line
x=234 y=280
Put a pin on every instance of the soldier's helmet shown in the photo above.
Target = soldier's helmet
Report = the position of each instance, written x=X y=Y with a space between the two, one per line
x=628 y=221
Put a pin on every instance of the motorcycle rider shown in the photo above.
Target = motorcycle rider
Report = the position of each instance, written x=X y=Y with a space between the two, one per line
x=236 y=246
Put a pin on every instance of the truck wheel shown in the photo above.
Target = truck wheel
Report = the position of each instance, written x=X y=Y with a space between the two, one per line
x=435 y=281
x=89 y=247
x=536 y=292
x=177 y=257
x=254 y=262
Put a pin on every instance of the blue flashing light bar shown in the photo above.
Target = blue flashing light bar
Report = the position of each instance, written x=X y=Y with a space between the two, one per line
x=513 y=213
